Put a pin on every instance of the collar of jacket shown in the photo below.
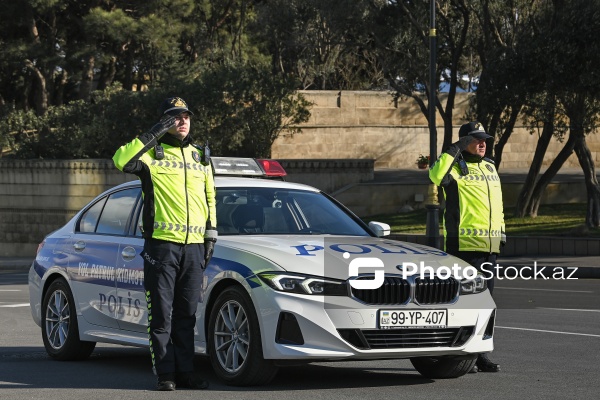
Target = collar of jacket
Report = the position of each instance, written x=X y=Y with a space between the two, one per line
x=471 y=158
x=175 y=142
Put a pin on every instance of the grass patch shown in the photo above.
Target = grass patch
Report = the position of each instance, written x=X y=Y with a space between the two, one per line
x=552 y=220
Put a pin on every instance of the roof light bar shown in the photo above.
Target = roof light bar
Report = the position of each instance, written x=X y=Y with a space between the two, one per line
x=247 y=167
x=236 y=166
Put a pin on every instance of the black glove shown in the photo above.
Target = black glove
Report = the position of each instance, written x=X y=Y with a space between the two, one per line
x=210 y=238
x=209 y=248
x=460 y=145
x=158 y=130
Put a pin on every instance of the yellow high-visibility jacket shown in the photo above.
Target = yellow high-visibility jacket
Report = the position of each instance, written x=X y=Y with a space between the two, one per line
x=474 y=213
x=178 y=189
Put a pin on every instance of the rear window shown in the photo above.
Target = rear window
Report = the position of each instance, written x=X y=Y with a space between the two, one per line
x=110 y=215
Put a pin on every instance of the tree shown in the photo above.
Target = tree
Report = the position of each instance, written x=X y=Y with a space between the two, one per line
x=401 y=30
x=238 y=108
x=324 y=44
x=502 y=28
x=566 y=33
x=243 y=108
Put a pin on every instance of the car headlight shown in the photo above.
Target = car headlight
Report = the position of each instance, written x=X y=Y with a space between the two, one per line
x=304 y=284
x=475 y=285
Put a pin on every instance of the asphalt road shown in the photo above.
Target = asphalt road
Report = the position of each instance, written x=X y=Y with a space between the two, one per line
x=547 y=342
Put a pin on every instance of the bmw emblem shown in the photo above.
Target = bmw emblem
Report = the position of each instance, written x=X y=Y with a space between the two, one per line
x=196 y=156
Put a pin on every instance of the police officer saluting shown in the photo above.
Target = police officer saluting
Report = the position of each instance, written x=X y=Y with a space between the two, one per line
x=179 y=228
x=474 y=213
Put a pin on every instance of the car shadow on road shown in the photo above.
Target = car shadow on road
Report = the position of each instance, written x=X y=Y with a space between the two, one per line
x=116 y=367
x=337 y=375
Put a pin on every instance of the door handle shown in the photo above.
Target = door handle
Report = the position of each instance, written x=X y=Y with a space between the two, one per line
x=128 y=253
x=79 y=245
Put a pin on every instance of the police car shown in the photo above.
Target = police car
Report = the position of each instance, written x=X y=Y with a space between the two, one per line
x=295 y=277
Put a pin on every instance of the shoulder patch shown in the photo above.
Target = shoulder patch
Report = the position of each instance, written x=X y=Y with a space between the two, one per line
x=196 y=156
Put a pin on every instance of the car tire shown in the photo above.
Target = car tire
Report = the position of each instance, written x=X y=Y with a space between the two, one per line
x=443 y=367
x=60 y=331
x=234 y=341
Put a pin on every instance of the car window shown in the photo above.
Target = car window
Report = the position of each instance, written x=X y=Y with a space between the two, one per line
x=115 y=215
x=89 y=219
x=275 y=211
x=139 y=224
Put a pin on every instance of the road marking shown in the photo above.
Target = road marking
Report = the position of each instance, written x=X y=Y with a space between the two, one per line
x=546 y=331
x=544 y=290
x=16 y=305
x=567 y=309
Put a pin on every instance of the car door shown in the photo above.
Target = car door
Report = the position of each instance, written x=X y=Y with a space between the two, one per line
x=94 y=254
x=133 y=313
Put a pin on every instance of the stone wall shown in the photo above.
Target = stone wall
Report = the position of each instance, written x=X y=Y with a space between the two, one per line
x=371 y=125
x=328 y=175
x=37 y=197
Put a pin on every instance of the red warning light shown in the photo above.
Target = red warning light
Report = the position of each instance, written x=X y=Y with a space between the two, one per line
x=272 y=167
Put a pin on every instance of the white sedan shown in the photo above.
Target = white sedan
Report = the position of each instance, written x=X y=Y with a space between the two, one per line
x=295 y=277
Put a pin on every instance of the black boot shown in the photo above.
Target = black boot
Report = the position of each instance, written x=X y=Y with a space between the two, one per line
x=484 y=364
x=166 y=382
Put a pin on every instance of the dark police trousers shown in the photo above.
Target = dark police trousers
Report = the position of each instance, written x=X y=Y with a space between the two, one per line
x=173 y=281
x=476 y=259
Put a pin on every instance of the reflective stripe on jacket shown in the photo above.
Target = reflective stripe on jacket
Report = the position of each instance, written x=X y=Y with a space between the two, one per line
x=474 y=213
x=178 y=190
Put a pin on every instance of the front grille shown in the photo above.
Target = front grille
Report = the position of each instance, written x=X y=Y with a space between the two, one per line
x=373 y=339
x=436 y=290
x=394 y=290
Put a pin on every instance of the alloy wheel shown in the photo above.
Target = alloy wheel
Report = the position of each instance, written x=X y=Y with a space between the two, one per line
x=232 y=336
x=58 y=318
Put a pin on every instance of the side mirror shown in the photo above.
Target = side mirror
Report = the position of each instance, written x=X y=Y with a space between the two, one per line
x=379 y=228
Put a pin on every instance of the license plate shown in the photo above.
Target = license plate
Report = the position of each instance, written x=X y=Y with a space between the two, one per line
x=413 y=319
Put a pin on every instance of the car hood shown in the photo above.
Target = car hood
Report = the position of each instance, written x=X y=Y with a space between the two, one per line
x=331 y=256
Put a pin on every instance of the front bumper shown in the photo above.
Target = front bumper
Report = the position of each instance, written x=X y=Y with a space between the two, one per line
x=336 y=327
x=35 y=295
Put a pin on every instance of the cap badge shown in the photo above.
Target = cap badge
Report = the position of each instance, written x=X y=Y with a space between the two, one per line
x=177 y=102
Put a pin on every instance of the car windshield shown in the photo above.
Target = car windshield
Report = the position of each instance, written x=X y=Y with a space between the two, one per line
x=270 y=211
